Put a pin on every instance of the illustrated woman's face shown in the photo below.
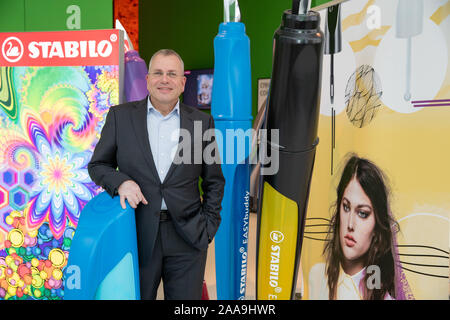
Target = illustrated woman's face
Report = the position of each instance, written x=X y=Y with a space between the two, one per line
x=357 y=223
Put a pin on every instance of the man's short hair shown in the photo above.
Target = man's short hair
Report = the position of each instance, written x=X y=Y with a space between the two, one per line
x=166 y=52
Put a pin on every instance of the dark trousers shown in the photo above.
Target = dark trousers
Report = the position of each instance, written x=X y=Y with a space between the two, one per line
x=180 y=266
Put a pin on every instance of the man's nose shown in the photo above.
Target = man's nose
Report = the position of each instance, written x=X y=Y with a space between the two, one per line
x=165 y=77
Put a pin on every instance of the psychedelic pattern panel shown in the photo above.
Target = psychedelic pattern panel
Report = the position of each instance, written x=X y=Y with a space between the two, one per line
x=50 y=122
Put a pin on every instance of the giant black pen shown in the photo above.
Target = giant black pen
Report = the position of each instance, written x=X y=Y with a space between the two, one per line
x=291 y=121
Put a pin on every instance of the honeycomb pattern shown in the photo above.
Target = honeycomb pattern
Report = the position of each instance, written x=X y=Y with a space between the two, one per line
x=27 y=179
x=18 y=198
x=4 y=199
x=15 y=190
x=9 y=177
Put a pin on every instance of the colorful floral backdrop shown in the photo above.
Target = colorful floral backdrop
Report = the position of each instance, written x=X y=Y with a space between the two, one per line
x=50 y=121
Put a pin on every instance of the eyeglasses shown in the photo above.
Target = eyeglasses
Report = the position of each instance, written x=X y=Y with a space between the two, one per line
x=160 y=74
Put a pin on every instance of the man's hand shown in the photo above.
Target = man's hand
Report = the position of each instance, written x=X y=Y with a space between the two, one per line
x=130 y=191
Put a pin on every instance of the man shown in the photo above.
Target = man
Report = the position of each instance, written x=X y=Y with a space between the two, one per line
x=134 y=159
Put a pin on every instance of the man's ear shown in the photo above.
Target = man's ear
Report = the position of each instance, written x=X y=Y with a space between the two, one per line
x=184 y=82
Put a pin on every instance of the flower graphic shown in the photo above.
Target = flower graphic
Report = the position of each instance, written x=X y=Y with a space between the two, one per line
x=62 y=189
x=62 y=186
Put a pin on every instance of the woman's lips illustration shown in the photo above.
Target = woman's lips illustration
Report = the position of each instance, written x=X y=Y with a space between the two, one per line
x=349 y=240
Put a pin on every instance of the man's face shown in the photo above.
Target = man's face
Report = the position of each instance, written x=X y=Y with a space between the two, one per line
x=165 y=80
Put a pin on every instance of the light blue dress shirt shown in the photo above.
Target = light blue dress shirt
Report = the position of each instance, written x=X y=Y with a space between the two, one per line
x=163 y=134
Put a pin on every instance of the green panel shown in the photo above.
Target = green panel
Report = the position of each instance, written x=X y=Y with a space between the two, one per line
x=189 y=27
x=52 y=15
x=315 y=3
x=12 y=15
x=261 y=23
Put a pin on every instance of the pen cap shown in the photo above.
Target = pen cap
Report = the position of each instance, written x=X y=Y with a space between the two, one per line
x=333 y=32
x=409 y=22
x=296 y=81
x=231 y=93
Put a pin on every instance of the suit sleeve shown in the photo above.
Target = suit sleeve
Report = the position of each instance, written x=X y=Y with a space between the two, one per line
x=213 y=185
x=103 y=165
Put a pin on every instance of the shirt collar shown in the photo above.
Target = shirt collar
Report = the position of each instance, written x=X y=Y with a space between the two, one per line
x=355 y=278
x=175 y=110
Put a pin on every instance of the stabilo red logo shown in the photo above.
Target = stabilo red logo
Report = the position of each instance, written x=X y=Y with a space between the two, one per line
x=61 y=48
x=12 y=49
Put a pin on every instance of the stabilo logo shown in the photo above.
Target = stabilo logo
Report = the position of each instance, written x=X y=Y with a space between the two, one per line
x=70 y=49
x=275 y=254
x=277 y=236
x=12 y=49
x=61 y=48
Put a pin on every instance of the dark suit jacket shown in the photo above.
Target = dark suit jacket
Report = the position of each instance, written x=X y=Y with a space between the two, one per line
x=124 y=144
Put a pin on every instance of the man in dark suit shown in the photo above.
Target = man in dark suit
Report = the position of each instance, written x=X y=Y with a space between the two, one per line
x=138 y=158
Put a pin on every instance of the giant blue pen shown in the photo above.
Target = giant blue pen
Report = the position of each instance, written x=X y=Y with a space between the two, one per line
x=231 y=109
x=103 y=259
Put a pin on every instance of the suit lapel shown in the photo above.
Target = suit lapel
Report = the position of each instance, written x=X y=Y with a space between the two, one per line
x=139 y=119
x=186 y=122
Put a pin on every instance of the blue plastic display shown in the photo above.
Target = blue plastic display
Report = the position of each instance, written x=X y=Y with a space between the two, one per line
x=232 y=112
x=103 y=258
